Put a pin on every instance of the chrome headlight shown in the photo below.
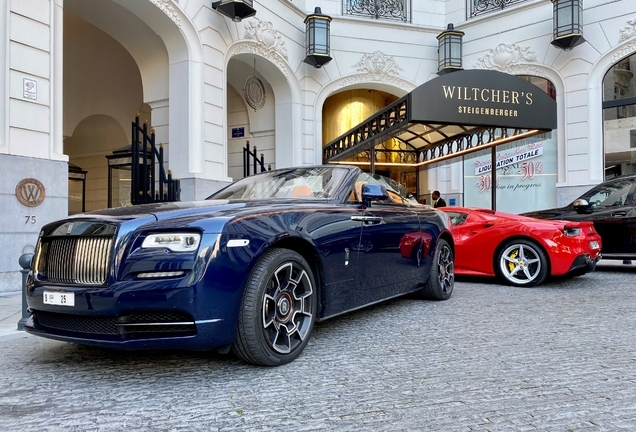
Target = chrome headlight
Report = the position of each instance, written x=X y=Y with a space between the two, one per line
x=175 y=242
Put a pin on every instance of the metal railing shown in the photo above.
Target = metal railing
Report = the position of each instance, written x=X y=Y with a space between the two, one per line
x=480 y=7
x=148 y=186
x=251 y=160
x=392 y=10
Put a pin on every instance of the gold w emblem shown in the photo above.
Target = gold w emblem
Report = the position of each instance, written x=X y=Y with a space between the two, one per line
x=30 y=192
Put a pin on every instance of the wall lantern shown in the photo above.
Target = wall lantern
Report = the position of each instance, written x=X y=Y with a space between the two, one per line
x=449 y=51
x=236 y=10
x=568 y=23
x=317 y=39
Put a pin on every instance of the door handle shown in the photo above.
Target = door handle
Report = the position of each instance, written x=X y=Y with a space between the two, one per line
x=619 y=214
x=367 y=219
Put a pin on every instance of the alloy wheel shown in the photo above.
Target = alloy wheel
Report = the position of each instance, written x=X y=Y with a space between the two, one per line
x=520 y=264
x=446 y=269
x=287 y=311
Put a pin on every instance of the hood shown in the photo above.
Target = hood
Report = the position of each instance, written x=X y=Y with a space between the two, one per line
x=554 y=213
x=188 y=213
x=159 y=211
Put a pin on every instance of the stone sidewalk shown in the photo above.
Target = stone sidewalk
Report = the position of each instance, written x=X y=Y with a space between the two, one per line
x=10 y=314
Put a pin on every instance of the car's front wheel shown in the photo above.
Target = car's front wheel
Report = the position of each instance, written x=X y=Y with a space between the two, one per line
x=278 y=309
x=442 y=276
x=522 y=263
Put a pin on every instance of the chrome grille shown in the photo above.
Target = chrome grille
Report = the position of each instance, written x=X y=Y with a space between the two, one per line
x=74 y=259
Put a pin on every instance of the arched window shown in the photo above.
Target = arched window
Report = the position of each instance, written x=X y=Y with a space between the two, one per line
x=619 y=118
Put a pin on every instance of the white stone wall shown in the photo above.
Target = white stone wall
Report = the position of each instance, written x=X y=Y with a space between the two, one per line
x=31 y=133
x=4 y=103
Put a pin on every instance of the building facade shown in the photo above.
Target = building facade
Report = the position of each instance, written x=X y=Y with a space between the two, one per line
x=74 y=74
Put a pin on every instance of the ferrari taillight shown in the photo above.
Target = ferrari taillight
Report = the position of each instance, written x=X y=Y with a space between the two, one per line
x=571 y=231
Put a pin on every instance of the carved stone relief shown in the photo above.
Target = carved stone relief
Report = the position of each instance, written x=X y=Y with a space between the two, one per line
x=378 y=63
x=511 y=59
x=249 y=47
x=261 y=39
x=168 y=8
x=628 y=31
x=379 y=68
x=263 y=33
x=627 y=49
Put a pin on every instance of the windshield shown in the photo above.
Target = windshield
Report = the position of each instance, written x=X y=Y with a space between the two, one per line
x=296 y=183
x=612 y=194
x=398 y=194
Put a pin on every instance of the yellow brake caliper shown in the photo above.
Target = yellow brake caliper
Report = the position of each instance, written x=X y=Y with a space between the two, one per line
x=513 y=255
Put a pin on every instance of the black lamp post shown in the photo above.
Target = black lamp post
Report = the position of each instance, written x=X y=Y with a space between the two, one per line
x=317 y=38
x=449 y=51
x=236 y=10
x=568 y=23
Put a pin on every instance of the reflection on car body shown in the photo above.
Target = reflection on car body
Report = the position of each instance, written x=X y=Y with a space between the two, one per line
x=250 y=269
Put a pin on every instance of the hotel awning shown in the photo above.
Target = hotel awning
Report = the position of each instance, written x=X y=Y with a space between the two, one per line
x=452 y=115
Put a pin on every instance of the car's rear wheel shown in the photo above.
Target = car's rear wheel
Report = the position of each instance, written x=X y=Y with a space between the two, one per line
x=442 y=278
x=522 y=263
x=278 y=309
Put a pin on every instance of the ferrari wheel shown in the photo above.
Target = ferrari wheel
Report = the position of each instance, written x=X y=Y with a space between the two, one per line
x=278 y=310
x=522 y=263
x=442 y=278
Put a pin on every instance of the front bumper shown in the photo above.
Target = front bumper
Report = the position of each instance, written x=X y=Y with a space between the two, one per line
x=136 y=315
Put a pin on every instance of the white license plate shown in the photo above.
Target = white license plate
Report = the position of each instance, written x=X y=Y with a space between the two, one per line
x=594 y=245
x=59 y=298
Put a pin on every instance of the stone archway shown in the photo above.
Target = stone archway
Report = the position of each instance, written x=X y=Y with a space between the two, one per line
x=265 y=45
x=102 y=93
x=105 y=134
x=166 y=47
x=345 y=84
x=595 y=103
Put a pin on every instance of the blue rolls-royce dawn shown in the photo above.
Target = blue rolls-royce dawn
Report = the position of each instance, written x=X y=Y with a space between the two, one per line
x=250 y=269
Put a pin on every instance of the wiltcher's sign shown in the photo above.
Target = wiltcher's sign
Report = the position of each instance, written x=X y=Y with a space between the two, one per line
x=482 y=98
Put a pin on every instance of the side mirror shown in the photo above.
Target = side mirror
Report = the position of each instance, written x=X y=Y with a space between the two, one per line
x=372 y=192
x=581 y=205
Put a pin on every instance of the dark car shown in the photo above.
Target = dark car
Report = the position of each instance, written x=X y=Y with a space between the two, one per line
x=250 y=269
x=610 y=205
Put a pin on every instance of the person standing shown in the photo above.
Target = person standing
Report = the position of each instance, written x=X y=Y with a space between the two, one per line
x=438 y=201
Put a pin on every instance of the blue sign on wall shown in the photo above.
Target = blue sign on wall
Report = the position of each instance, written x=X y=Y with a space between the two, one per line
x=238 y=132
x=451 y=201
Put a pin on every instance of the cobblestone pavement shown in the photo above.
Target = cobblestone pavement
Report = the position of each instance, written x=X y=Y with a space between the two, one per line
x=559 y=357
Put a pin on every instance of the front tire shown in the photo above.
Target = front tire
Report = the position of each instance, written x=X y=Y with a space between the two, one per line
x=522 y=263
x=442 y=278
x=278 y=310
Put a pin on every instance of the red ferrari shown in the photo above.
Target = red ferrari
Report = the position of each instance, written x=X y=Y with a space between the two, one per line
x=522 y=251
